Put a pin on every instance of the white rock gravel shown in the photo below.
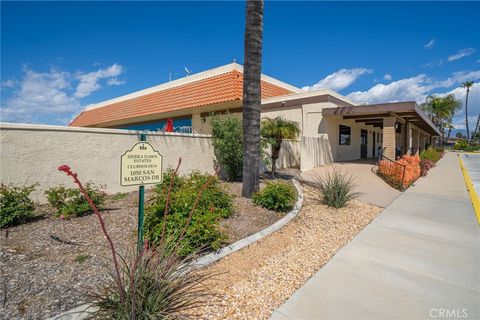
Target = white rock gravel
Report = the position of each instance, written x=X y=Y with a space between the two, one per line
x=258 y=279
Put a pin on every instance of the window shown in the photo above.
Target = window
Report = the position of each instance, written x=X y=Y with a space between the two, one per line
x=344 y=135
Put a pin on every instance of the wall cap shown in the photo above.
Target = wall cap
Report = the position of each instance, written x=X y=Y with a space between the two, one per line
x=43 y=127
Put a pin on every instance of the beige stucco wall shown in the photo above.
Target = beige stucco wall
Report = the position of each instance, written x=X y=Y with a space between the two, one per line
x=352 y=151
x=288 y=113
x=325 y=147
x=31 y=154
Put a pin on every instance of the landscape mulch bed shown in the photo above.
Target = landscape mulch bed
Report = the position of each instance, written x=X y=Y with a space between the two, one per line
x=47 y=264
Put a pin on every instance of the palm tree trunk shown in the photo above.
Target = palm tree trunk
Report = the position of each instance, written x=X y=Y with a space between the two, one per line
x=466 y=115
x=275 y=155
x=252 y=97
x=476 y=127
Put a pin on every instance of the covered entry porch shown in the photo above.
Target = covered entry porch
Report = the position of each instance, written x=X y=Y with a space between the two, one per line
x=397 y=128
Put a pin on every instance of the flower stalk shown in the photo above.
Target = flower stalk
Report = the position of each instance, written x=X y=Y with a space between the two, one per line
x=74 y=175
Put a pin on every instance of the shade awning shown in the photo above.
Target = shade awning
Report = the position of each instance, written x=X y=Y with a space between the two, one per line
x=373 y=114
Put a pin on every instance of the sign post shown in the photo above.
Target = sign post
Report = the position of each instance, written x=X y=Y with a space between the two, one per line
x=141 y=165
x=141 y=207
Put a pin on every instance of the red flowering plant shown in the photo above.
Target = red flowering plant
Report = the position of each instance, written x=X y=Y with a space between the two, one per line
x=401 y=173
x=153 y=283
x=425 y=166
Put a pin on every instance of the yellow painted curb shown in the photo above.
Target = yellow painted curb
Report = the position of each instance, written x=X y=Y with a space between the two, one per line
x=471 y=190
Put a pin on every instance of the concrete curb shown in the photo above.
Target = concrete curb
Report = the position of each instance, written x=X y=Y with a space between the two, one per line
x=84 y=311
x=245 y=242
x=81 y=312
x=474 y=198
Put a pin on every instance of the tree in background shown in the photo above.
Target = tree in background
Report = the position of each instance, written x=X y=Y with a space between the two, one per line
x=459 y=135
x=275 y=131
x=228 y=145
x=450 y=127
x=252 y=97
x=441 y=110
x=475 y=135
x=467 y=85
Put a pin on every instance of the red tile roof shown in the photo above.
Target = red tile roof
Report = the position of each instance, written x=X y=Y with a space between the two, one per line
x=216 y=89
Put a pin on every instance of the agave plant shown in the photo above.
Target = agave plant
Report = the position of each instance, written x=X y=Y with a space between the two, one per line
x=337 y=188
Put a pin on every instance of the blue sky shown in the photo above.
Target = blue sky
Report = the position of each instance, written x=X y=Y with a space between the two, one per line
x=58 y=57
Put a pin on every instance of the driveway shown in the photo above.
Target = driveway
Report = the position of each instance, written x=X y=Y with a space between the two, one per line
x=372 y=189
x=419 y=259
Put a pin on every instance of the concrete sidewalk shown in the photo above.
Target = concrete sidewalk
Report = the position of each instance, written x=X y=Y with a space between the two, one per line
x=371 y=187
x=420 y=259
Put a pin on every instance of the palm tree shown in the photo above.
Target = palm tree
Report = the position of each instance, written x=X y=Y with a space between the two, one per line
x=475 y=136
x=276 y=130
x=252 y=97
x=467 y=85
x=449 y=127
x=441 y=110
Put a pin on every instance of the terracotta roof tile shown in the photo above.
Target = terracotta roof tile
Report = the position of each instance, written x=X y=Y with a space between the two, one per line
x=216 y=89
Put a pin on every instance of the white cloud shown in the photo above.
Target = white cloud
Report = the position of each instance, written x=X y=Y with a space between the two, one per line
x=50 y=95
x=387 y=77
x=413 y=88
x=430 y=44
x=419 y=87
x=416 y=88
x=432 y=64
x=115 y=82
x=89 y=82
x=473 y=106
x=9 y=84
x=461 y=54
x=339 y=80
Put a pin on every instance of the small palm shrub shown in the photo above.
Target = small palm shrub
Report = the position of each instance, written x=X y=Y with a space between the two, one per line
x=152 y=283
x=70 y=202
x=337 y=188
x=227 y=140
x=278 y=196
x=274 y=131
x=204 y=231
x=16 y=207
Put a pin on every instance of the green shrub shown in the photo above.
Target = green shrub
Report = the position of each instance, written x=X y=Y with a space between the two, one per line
x=119 y=196
x=70 y=202
x=278 y=196
x=336 y=188
x=203 y=230
x=15 y=205
x=227 y=132
x=150 y=283
x=431 y=154
x=81 y=258
x=465 y=146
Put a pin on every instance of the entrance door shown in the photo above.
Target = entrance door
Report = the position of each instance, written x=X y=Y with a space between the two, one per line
x=373 y=144
x=363 y=143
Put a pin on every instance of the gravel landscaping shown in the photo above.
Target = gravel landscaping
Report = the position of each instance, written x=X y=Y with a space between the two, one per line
x=255 y=281
x=47 y=264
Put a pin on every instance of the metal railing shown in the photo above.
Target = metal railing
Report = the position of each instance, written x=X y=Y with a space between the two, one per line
x=391 y=172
